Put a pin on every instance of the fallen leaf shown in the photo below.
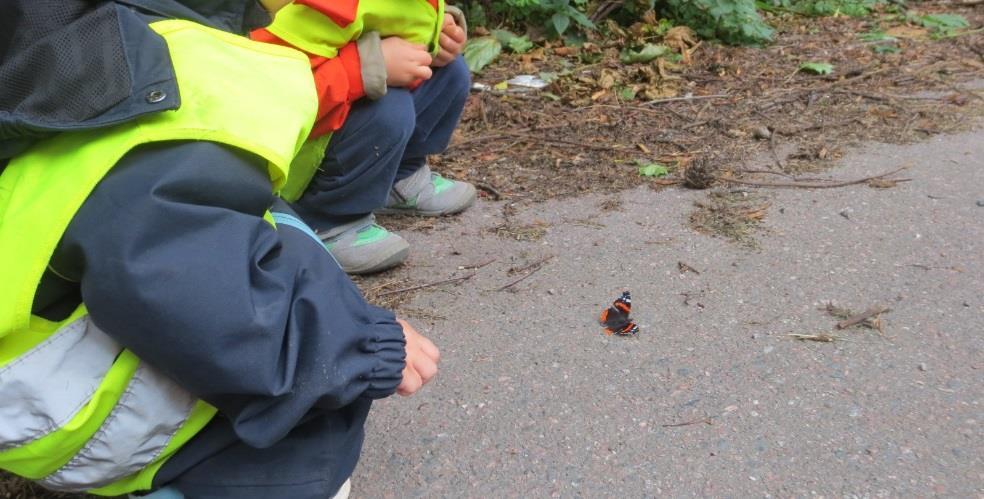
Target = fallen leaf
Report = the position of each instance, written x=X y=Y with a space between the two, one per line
x=911 y=32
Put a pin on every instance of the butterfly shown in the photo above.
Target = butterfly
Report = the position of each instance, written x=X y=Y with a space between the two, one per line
x=616 y=317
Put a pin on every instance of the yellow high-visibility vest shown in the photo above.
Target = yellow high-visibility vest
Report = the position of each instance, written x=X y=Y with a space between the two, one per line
x=78 y=412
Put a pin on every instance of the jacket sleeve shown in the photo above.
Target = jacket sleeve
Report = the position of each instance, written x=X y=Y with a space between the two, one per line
x=178 y=264
x=357 y=71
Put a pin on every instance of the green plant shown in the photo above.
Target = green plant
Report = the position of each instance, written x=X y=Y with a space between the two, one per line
x=818 y=68
x=556 y=16
x=508 y=39
x=481 y=51
x=943 y=24
x=731 y=21
x=647 y=169
x=852 y=8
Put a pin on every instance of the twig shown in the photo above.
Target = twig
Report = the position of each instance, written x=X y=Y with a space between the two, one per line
x=382 y=286
x=428 y=285
x=859 y=318
x=605 y=9
x=772 y=148
x=816 y=126
x=568 y=142
x=477 y=265
x=536 y=266
x=767 y=172
x=688 y=423
x=686 y=268
x=517 y=281
x=482 y=186
x=481 y=138
x=806 y=185
x=822 y=338
x=695 y=124
x=679 y=99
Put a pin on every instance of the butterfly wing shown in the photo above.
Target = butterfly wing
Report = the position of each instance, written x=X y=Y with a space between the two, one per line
x=616 y=317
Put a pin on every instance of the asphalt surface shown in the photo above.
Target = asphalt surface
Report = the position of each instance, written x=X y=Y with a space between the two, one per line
x=712 y=398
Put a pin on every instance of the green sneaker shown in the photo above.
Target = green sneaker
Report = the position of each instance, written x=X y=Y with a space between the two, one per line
x=362 y=247
x=428 y=194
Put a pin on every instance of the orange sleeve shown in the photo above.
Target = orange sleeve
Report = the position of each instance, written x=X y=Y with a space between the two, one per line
x=338 y=82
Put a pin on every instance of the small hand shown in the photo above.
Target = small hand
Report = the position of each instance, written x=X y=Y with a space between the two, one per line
x=405 y=62
x=452 y=42
x=421 y=361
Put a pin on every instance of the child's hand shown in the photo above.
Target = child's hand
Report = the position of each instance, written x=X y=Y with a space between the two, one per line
x=422 y=358
x=405 y=62
x=453 y=40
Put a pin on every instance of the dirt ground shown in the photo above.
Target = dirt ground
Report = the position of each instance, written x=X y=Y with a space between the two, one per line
x=724 y=110
x=728 y=105
x=528 y=147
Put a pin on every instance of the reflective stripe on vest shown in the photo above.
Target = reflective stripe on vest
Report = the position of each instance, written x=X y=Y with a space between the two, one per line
x=79 y=411
x=42 y=389
x=143 y=421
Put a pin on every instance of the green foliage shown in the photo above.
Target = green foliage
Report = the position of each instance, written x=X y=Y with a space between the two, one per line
x=877 y=36
x=556 y=16
x=818 y=68
x=647 y=53
x=852 y=8
x=508 y=39
x=943 y=24
x=731 y=21
x=479 y=52
x=882 y=43
x=652 y=169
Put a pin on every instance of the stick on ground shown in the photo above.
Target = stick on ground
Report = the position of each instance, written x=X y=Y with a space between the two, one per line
x=809 y=185
x=428 y=285
x=859 y=318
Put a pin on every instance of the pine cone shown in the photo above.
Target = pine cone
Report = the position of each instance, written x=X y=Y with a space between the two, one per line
x=700 y=174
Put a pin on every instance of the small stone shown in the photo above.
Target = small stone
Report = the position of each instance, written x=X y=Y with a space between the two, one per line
x=922 y=366
x=755 y=336
x=761 y=132
x=551 y=291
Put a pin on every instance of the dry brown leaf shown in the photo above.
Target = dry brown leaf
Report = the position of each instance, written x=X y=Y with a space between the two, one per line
x=682 y=39
x=607 y=79
x=907 y=32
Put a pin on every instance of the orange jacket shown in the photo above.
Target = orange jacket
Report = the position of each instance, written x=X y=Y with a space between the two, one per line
x=338 y=66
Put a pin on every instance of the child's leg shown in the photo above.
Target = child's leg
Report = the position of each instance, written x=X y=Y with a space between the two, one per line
x=355 y=178
x=313 y=461
x=361 y=162
x=438 y=104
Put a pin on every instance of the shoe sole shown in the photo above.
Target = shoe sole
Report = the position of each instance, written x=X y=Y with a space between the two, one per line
x=424 y=213
x=387 y=263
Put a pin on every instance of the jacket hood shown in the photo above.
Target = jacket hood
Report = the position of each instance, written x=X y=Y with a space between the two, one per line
x=82 y=64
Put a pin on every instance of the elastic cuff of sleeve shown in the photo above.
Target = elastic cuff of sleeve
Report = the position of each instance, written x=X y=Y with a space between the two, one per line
x=348 y=56
x=458 y=15
x=373 y=65
x=389 y=346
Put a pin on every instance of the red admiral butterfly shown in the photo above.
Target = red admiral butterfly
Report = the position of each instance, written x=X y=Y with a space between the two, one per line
x=616 y=317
